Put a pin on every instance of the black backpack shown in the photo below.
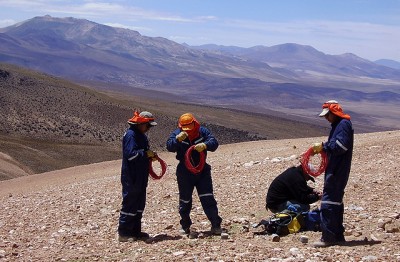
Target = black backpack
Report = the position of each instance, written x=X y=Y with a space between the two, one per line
x=283 y=223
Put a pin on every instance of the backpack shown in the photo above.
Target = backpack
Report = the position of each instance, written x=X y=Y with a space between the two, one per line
x=283 y=223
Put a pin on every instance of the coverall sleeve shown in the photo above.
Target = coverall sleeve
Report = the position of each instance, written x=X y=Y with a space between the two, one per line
x=302 y=193
x=172 y=143
x=210 y=141
x=130 y=148
x=340 y=142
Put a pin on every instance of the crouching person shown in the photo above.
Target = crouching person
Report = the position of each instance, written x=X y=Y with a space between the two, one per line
x=191 y=133
x=290 y=191
x=134 y=176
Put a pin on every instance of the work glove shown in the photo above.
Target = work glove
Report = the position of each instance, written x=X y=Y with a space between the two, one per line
x=200 y=147
x=181 y=136
x=319 y=194
x=151 y=154
x=317 y=148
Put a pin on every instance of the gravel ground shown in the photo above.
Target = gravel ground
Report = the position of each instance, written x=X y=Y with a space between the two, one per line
x=72 y=214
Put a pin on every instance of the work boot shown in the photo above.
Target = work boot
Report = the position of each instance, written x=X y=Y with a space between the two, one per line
x=217 y=231
x=322 y=244
x=184 y=231
x=122 y=238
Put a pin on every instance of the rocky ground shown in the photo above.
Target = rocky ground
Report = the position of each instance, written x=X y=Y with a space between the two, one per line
x=72 y=214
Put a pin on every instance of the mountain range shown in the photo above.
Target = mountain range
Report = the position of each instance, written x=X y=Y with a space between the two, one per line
x=289 y=78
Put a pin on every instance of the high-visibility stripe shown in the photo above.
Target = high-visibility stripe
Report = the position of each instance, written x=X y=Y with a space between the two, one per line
x=185 y=201
x=207 y=194
x=184 y=142
x=198 y=140
x=128 y=214
x=140 y=211
x=332 y=203
x=133 y=157
x=341 y=145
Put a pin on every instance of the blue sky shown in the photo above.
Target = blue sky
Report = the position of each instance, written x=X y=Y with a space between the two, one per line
x=367 y=28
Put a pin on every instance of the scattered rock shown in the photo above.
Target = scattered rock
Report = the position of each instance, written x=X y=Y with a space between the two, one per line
x=294 y=251
x=304 y=239
x=224 y=236
x=369 y=258
x=179 y=253
x=169 y=227
x=275 y=238
x=392 y=227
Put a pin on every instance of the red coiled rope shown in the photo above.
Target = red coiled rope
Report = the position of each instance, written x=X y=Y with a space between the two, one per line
x=163 y=168
x=188 y=163
x=305 y=159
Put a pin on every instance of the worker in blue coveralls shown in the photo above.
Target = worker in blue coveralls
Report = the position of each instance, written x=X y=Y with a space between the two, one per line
x=134 y=176
x=339 y=149
x=191 y=133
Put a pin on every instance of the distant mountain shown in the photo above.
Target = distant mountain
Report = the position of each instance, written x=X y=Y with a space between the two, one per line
x=80 y=49
x=84 y=50
x=389 y=63
x=307 y=61
x=287 y=78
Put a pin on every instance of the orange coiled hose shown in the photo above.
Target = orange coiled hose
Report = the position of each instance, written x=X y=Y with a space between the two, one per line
x=163 y=168
x=188 y=163
x=305 y=159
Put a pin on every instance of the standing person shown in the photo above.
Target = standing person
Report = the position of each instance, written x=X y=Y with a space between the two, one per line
x=289 y=190
x=191 y=133
x=339 y=149
x=134 y=176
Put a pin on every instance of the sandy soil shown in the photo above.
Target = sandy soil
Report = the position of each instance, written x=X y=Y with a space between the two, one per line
x=72 y=214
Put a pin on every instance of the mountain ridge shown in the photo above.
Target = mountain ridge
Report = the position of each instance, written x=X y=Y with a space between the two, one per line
x=253 y=79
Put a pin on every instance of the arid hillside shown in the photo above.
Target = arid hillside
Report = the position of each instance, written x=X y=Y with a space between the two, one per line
x=72 y=214
x=48 y=123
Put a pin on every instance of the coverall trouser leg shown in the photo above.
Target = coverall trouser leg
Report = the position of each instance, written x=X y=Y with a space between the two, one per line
x=185 y=186
x=205 y=191
x=133 y=204
x=332 y=222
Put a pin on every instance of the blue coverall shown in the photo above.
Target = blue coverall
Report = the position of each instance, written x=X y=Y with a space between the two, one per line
x=188 y=181
x=339 y=149
x=134 y=179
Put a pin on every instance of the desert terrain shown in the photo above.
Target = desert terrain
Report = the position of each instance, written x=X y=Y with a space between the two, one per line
x=72 y=214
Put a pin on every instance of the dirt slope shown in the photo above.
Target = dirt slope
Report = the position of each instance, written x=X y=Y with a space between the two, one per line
x=71 y=214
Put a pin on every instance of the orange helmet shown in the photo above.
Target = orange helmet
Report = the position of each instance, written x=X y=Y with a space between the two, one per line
x=143 y=117
x=186 y=122
x=334 y=107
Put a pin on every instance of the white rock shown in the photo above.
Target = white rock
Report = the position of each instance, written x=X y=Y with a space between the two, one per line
x=179 y=253
x=248 y=164
x=294 y=251
x=369 y=258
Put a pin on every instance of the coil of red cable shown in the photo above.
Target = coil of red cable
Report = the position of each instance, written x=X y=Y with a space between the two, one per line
x=188 y=163
x=163 y=168
x=305 y=160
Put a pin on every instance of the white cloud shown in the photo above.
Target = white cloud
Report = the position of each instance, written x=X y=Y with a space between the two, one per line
x=7 y=22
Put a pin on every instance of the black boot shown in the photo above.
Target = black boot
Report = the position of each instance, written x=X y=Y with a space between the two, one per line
x=137 y=230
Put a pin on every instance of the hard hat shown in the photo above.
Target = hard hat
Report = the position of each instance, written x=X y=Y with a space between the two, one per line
x=186 y=122
x=334 y=107
x=142 y=118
